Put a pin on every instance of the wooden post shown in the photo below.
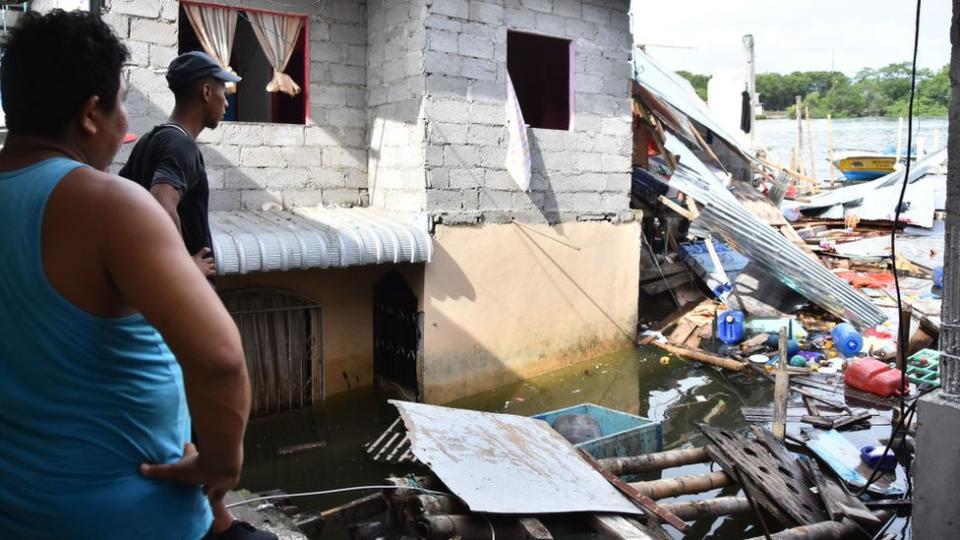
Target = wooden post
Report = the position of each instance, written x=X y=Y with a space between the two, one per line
x=799 y=107
x=825 y=530
x=833 y=174
x=781 y=391
x=899 y=139
x=813 y=163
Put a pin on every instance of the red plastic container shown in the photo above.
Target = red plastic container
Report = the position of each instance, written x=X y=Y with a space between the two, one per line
x=874 y=376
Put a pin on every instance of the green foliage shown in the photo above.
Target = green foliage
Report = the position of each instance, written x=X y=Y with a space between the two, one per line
x=871 y=92
x=698 y=81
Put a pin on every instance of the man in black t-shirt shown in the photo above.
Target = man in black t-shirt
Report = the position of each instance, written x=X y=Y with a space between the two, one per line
x=167 y=160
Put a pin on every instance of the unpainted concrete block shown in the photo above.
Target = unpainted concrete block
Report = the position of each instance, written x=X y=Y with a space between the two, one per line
x=452 y=8
x=153 y=31
x=261 y=156
x=149 y=9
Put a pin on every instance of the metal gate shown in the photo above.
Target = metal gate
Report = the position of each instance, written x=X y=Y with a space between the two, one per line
x=396 y=332
x=281 y=336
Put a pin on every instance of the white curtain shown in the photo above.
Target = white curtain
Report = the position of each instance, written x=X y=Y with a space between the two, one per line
x=277 y=35
x=518 y=147
x=215 y=28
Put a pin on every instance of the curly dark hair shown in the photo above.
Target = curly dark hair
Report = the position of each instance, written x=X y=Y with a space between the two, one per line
x=52 y=64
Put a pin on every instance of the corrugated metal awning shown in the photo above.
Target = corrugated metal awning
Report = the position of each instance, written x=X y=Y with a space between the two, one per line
x=254 y=241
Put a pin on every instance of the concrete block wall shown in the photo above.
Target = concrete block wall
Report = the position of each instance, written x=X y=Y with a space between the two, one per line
x=579 y=174
x=251 y=165
x=395 y=88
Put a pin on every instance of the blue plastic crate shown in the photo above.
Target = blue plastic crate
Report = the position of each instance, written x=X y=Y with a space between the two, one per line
x=623 y=434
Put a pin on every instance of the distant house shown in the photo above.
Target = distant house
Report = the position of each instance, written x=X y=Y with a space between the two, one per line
x=367 y=228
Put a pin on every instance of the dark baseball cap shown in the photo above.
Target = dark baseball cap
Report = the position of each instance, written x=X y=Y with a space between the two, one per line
x=195 y=65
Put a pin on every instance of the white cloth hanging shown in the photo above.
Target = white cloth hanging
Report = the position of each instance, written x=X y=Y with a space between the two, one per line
x=277 y=35
x=215 y=28
x=518 y=147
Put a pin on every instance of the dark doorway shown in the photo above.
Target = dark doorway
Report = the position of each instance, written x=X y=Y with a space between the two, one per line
x=396 y=333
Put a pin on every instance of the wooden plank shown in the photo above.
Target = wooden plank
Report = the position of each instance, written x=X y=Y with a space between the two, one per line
x=669 y=321
x=618 y=528
x=680 y=334
x=818 y=421
x=667 y=269
x=533 y=529
x=631 y=492
x=656 y=287
x=838 y=501
x=848 y=420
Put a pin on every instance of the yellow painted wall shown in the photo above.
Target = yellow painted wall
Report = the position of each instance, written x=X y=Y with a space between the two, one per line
x=509 y=301
x=346 y=298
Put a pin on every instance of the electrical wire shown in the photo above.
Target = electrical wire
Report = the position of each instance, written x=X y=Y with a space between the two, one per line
x=334 y=491
x=902 y=347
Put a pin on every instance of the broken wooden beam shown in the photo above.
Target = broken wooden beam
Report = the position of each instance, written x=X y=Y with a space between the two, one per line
x=654 y=462
x=683 y=485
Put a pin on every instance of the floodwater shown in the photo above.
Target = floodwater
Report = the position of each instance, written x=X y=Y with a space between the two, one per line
x=680 y=394
x=779 y=137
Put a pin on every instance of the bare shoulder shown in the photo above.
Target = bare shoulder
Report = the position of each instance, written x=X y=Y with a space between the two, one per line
x=107 y=198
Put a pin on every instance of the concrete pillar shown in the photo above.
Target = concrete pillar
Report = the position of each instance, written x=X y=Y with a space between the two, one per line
x=936 y=509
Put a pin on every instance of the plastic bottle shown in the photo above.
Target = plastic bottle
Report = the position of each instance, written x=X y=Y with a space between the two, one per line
x=936 y=290
x=730 y=327
x=846 y=339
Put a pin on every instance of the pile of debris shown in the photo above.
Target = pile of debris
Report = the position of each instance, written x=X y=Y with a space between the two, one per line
x=740 y=262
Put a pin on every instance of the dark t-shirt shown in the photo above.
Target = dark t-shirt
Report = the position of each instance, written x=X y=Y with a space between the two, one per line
x=167 y=155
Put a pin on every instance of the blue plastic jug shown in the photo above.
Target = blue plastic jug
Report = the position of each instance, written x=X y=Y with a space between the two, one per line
x=846 y=339
x=730 y=327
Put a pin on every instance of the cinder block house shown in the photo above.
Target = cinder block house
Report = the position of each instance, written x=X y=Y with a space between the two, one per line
x=366 y=228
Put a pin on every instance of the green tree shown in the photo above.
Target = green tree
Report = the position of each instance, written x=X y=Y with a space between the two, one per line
x=698 y=81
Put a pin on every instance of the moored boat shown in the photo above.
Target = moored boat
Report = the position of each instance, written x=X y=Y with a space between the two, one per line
x=864 y=165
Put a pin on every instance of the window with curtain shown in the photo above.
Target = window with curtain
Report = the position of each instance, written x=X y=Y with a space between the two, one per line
x=268 y=50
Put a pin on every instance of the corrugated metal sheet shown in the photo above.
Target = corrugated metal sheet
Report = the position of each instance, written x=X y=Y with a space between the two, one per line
x=725 y=216
x=252 y=241
x=507 y=464
x=678 y=92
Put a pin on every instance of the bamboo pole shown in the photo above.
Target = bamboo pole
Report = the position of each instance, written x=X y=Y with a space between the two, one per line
x=654 y=462
x=702 y=357
x=699 y=509
x=781 y=391
x=778 y=167
x=825 y=530
x=799 y=108
x=683 y=485
x=833 y=173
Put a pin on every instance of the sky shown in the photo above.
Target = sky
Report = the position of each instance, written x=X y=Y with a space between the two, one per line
x=802 y=35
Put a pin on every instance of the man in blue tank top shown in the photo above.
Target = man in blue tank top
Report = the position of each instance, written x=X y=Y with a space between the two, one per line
x=111 y=343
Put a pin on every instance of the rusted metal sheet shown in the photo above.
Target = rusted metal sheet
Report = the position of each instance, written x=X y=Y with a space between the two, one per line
x=507 y=464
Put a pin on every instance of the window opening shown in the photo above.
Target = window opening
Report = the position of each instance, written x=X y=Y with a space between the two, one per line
x=541 y=69
x=251 y=102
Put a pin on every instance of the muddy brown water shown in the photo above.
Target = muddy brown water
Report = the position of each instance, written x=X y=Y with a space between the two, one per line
x=680 y=394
